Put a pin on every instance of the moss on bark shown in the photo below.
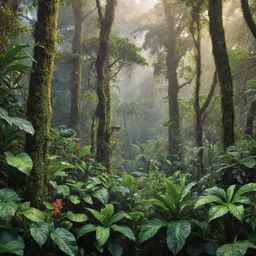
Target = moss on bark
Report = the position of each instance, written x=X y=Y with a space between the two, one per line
x=38 y=105
x=103 y=112
x=174 y=141
x=224 y=72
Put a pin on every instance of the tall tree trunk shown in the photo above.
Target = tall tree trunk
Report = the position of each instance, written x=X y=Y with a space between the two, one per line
x=223 y=70
x=38 y=106
x=250 y=119
x=103 y=150
x=248 y=16
x=196 y=34
x=76 y=77
x=252 y=26
x=174 y=141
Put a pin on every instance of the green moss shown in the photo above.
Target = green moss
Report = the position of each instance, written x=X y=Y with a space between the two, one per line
x=38 y=107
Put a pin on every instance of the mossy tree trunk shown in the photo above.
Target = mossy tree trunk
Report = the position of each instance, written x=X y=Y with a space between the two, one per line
x=224 y=72
x=38 y=105
x=76 y=77
x=250 y=119
x=174 y=141
x=252 y=26
x=103 y=148
x=195 y=30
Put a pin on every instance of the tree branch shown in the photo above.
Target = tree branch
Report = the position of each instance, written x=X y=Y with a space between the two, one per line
x=248 y=16
x=99 y=10
x=210 y=94
x=186 y=83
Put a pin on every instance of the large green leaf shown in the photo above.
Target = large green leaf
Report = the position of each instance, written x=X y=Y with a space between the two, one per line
x=187 y=189
x=149 y=229
x=8 y=195
x=126 y=231
x=11 y=243
x=22 y=124
x=65 y=241
x=102 y=235
x=88 y=199
x=216 y=191
x=64 y=190
x=239 y=248
x=249 y=162
x=107 y=211
x=22 y=162
x=177 y=233
x=85 y=229
x=102 y=195
x=7 y=210
x=74 y=199
x=40 y=233
x=251 y=187
x=202 y=200
x=119 y=216
x=217 y=211
x=237 y=211
x=34 y=215
x=76 y=217
x=115 y=247
x=241 y=200
x=98 y=215
x=230 y=192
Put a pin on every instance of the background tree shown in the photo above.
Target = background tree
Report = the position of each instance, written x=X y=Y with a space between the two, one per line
x=103 y=151
x=79 y=13
x=252 y=26
x=197 y=8
x=38 y=105
x=223 y=70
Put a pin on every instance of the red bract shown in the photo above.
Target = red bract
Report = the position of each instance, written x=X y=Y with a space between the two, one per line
x=58 y=207
x=58 y=203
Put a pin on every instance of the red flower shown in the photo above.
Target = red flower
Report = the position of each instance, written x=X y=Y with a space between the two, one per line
x=58 y=203
x=58 y=206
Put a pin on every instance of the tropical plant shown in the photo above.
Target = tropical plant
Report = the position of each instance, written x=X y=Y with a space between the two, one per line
x=224 y=202
x=238 y=248
x=107 y=222
x=176 y=203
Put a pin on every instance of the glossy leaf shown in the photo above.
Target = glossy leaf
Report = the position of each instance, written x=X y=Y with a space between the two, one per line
x=21 y=161
x=102 y=235
x=11 y=243
x=76 y=217
x=85 y=229
x=217 y=211
x=149 y=229
x=65 y=240
x=40 y=233
x=34 y=215
x=126 y=231
x=177 y=233
x=239 y=248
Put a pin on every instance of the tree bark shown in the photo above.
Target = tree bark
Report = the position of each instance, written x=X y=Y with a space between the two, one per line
x=196 y=34
x=76 y=77
x=250 y=119
x=38 y=105
x=252 y=26
x=174 y=141
x=248 y=16
x=223 y=70
x=103 y=148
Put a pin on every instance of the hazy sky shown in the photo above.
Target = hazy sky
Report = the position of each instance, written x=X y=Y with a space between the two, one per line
x=148 y=3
